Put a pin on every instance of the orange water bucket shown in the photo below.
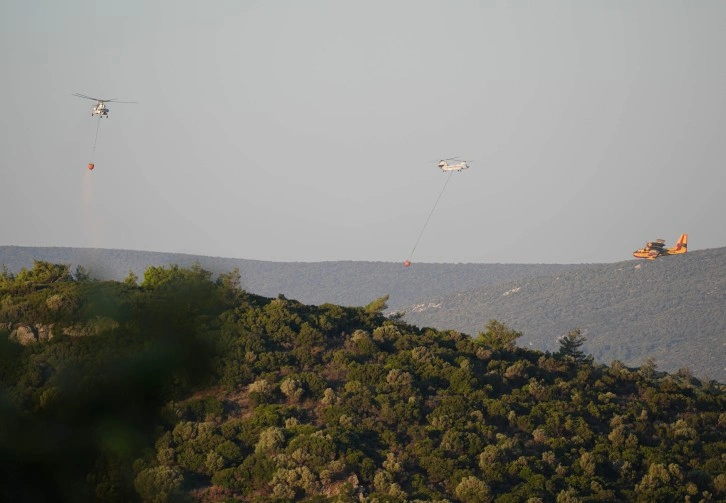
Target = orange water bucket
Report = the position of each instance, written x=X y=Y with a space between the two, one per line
x=407 y=263
x=91 y=165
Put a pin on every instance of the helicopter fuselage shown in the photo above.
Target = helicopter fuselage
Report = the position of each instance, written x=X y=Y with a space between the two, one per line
x=99 y=109
x=444 y=166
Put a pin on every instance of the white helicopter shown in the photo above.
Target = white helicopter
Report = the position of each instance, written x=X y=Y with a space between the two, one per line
x=100 y=108
x=454 y=166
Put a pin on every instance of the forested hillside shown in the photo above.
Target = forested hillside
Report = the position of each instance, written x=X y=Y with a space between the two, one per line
x=670 y=310
x=179 y=386
x=345 y=283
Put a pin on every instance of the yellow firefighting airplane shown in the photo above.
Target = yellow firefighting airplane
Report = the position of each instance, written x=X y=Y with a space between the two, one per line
x=657 y=248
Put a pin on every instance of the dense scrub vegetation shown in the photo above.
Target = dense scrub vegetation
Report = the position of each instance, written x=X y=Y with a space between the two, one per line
x=184 y=387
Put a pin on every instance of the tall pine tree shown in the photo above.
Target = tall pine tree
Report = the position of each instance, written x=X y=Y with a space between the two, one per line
x=570 y=346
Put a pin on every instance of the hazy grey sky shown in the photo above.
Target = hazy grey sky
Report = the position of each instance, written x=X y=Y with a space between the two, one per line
x=310 y=131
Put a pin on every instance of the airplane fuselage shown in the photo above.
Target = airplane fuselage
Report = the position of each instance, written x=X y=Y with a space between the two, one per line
x=649 y=254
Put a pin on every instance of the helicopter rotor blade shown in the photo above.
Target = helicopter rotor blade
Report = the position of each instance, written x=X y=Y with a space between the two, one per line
x=79 y=95
x=101 y=100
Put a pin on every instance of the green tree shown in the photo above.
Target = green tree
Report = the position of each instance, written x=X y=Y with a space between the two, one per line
x=648 y=368
x=131 y=279
x=230 y=281
x=44 y=273
x=472 y=490
x=570 y=346
x=6 y=277
x=159 y=484
x=82 y=275
x=378 y=306
x=498 y=335
x=157 y=276
x=292 y=389
x=271 y=439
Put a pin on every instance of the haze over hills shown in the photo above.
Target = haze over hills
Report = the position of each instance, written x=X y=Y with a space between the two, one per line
x=345 y=283
x=670 y=309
